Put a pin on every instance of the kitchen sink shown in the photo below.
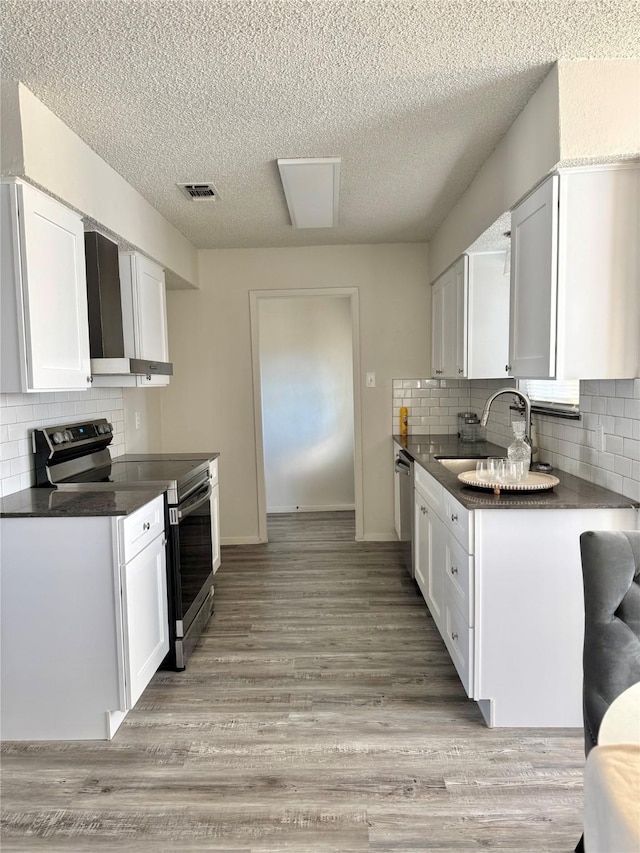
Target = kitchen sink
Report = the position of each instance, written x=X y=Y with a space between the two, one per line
x=458 y=465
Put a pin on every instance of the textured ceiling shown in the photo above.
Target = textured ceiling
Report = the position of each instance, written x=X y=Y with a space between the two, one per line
x=412 y=95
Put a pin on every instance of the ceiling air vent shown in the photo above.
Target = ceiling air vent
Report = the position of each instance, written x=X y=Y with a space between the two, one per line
x=199 y=191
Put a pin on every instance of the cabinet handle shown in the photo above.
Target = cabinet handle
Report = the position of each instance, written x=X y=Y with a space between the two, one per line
x=146 y=525
x=507 y=367
x=89 y=379
x=460 y=370
x=454 y=517
x=454 y=570
x=438 y=372
x=454 y=636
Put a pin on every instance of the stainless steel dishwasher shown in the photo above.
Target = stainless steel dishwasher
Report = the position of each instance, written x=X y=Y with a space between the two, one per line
x=403 y=467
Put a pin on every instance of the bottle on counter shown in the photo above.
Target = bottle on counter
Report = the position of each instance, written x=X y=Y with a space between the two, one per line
x=404 y=420
x=519 y=450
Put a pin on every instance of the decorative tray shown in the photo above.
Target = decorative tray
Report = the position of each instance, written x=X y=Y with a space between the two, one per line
x=532 y=483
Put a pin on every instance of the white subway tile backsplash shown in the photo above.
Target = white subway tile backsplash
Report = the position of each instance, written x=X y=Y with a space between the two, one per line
x=624 y=427
x=615 y=406
x=623 y=466
x=20 y=414
x=627 y=387
x=631 y=488
x=632 y=408
x=613 y=444
x=607 y=387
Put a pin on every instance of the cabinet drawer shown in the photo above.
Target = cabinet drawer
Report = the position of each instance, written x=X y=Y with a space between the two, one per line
x=429 y=487
x=459 y=521
x=459 y=572
x=459 y=642
x=141 y=528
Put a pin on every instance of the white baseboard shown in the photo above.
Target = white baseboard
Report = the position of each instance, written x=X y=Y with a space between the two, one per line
x=332 y=508
x=241 y=540
x=379 y=537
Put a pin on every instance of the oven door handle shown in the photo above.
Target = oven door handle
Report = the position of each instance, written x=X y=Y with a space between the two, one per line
x=188 y=508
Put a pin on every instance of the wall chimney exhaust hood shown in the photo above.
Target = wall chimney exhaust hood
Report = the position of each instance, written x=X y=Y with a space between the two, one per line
x=104 y=298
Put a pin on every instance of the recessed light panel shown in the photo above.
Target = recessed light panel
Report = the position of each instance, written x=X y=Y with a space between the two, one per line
x=311 y=187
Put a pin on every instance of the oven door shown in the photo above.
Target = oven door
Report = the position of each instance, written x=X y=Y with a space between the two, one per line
x=192 y=571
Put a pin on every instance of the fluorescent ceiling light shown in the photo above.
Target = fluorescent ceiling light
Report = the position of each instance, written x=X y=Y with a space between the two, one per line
x=311 y=187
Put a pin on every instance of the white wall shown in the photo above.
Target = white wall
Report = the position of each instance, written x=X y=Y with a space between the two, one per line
x=529 y=150
x=39 y=147
x=146 y=403
x=584 y=111
x=209 y=403
x=306 y=377
x=599 y=110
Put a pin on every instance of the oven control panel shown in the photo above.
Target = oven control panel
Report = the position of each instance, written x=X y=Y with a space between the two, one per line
x=68 y=434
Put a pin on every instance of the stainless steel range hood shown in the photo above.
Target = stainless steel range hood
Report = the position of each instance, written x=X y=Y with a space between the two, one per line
x=104 y=298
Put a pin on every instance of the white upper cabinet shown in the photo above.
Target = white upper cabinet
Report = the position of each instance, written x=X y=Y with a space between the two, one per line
x=144 y=320
x=144 y=309
x=45 y=332
x=470 y=318
x=575 y=277
x=448 y=354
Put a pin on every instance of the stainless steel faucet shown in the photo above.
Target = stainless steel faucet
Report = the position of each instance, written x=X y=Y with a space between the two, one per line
x=525 y=401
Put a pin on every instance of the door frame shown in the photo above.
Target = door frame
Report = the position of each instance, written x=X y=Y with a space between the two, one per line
x=350 y=293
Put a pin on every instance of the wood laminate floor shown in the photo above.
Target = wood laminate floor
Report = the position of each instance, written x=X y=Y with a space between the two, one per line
x=320 y=714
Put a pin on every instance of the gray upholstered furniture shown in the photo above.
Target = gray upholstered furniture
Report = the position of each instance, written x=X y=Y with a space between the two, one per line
x=611 y=576
x=611 y=661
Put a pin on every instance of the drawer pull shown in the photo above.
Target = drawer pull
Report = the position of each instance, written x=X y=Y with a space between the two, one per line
x=454 y=570
x=454 y=636
x=146 y=525
x=454 y=517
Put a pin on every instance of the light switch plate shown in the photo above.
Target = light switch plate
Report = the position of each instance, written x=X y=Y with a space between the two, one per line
x=371 y=380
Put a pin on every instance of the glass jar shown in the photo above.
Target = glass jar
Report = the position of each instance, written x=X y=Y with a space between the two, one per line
x=520 y=450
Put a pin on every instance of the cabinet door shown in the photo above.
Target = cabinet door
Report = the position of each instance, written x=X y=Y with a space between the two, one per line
x=448 y=307
x=488 y=316
x=151 y=316
x=458 y=321
x=534 y=284
x=429 y=543
x=437 y=327
x=145 y=619
x=53 y=292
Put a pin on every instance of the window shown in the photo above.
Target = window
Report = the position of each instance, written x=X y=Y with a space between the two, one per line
x=553 y=396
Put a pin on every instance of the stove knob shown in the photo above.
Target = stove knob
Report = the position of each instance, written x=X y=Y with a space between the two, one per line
x=66 y=436
x=109 y=428
x=101 y=428
x=57 y=437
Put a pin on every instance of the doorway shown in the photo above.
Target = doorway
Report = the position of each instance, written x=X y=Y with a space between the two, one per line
x=305 y=348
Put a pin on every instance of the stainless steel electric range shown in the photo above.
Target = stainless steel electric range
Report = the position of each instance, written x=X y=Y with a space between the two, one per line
x=76 y=457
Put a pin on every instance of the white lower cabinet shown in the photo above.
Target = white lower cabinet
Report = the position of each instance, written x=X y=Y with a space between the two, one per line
x=504 y=587
x=84 y=621
x=144 y=616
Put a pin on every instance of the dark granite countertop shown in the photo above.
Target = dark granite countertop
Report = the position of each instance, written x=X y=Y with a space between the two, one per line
x=57 y=503
x=570 y=493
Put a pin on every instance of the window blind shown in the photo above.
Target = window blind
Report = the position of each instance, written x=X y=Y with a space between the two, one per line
x=553 y=395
